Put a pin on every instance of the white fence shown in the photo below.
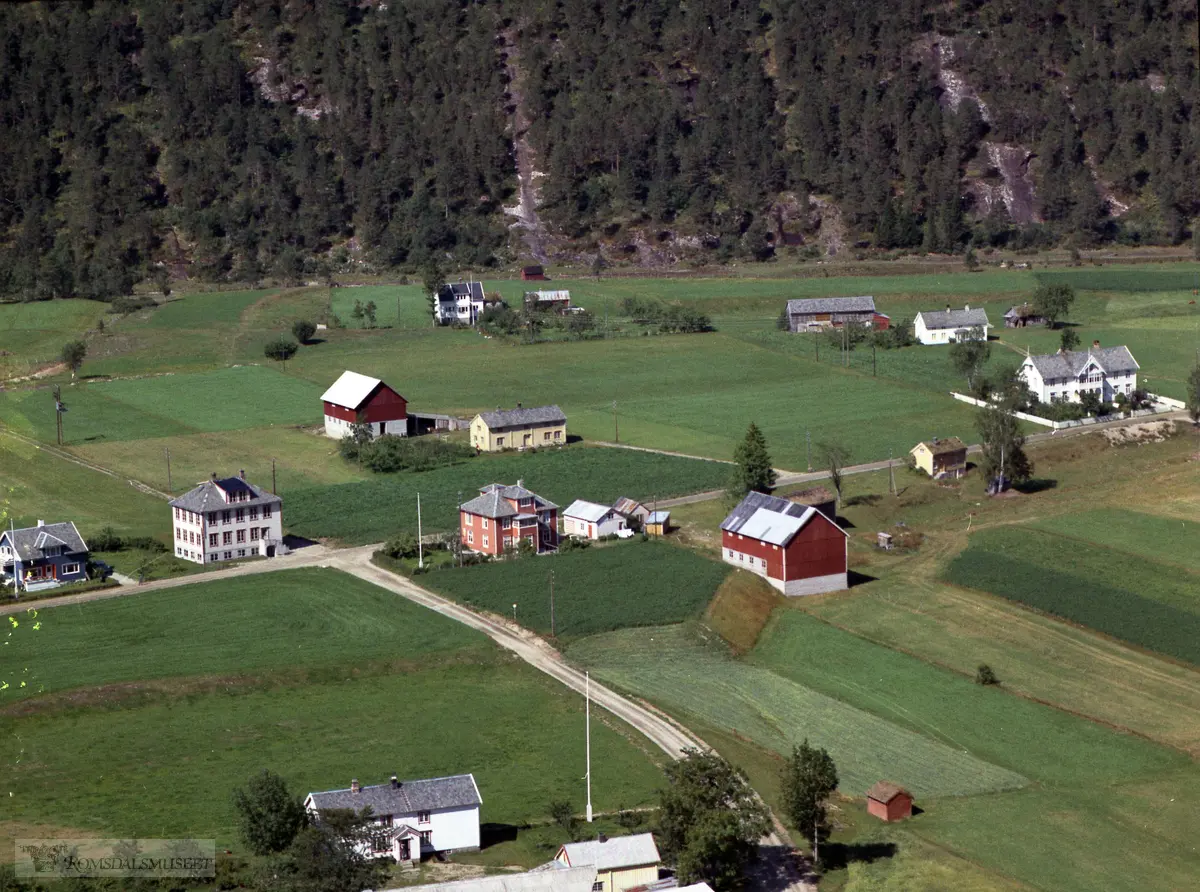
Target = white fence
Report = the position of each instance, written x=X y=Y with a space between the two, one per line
x=1161 y=404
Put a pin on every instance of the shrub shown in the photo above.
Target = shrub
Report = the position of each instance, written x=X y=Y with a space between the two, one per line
x=402 y=545
x=564 y=816
x=985 y=676
x=143 y=543
x=281 y=349
x=388 y=454
x=132 y=304
x=105 y=540
x=303 y=330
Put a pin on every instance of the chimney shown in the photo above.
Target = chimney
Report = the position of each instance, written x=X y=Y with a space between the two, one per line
x=601 y=838
x=213 y=477
x=354 y=787
x=518 y=405
x=241 y=473
x=1095 y=345
x=966 y=306
x=395 y=782
x=520 y=482
x=41 y=523
x=947 y=308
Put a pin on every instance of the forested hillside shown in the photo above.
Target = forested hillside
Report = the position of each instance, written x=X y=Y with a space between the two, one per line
x=230 y=140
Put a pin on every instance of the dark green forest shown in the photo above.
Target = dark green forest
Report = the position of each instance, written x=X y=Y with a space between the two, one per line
x=230 y=140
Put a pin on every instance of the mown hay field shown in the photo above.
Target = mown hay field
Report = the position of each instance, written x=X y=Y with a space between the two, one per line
x=598 y=589
x=1133 y=598
x=690 y=672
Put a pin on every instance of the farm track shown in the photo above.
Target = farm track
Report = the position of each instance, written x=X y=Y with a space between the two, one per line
x=60 y=453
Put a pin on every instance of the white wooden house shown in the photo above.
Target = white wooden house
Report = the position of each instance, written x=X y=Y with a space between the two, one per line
x=1064 y=376
x=413 y=817
x=224 y=520
x=947 y=326
x=591 y=520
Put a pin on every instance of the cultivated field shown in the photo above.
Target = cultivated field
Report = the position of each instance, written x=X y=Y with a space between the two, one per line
x=1113 y=590
x=631 y=583
x=157 y=706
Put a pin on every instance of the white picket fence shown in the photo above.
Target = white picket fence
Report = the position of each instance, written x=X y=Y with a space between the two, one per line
x=1161 y=404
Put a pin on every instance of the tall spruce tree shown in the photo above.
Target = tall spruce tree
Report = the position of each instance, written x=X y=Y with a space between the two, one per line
x=753 y=471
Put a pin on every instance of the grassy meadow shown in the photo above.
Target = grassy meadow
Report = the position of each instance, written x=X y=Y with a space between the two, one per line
x=314 y=674
x=630 y=583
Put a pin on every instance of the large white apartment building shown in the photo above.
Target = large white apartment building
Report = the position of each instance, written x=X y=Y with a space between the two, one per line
x=223 y=520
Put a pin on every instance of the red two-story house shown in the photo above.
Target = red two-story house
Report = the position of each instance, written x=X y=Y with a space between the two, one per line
x=500 y=516
x=798 y=549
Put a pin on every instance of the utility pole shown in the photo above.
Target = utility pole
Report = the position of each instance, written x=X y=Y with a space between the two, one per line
x=420 y=543
x=59 y=408
x=616 y=429
x=872 y=360
x=808 y=448
x=891 y=474
x=588 y=694
x=168 y=452
x=553 y=631
x=274 y=489
x=458 y=538
x=817 y=344
x=514 y=614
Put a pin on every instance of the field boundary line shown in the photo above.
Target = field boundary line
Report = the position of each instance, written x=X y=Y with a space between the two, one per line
x=83 y=463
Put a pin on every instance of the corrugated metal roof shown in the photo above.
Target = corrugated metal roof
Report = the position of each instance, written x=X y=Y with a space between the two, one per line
x=585 y=510
x=408 y=797
x=659 y=517
x=751 y=503
x=806 y=305
x=774 y=528
x=350 y=390
x=613 y=854
x=956 y=319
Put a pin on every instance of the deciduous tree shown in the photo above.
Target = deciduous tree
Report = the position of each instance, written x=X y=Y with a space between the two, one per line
x=809 y=779
x=1068 y=340
x=73 y=354
x=1193 y=394
x=269 y=816
x=710 y=820
x=1003 y=459
x=834 y=457
x=1053 y=301
x=281 y=349
x=303 y=329
x=969 y=355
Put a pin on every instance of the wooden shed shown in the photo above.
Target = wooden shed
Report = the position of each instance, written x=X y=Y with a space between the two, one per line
x=889 y=802
x=533 y=273
x=658 y=523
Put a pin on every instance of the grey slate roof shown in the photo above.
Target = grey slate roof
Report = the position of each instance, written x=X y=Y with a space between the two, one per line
x=30 y=541
x=955 y=318
x=454 y=290
x=207 y=497
x=506 y=418
x=408 y=797
x=755 y=500
x=1113 y=360
x=492 y=501
x=803 y=306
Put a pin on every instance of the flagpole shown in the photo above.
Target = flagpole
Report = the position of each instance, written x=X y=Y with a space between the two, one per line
x=588 y=695
x=420 y=546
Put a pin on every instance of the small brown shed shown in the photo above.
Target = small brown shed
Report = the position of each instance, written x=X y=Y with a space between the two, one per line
x=533 y=273
x=889 y=802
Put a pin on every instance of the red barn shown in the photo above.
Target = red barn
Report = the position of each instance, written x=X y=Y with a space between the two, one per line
x=533 y=273
x=357 y=399
x=882 y=321
x=796 y=548
x=889 y=802
x=501 y=516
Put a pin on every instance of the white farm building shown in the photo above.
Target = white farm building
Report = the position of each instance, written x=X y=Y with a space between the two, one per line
x=591 y=520
x=947 y=326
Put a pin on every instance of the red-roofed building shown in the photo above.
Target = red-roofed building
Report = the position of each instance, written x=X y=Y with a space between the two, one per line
x=501 y=516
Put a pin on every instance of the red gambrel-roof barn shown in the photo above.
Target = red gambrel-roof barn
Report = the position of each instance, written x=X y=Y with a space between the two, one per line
x=358 y=399
x=796 y=548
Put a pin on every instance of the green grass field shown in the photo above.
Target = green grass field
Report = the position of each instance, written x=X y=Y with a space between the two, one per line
x=132 y=409
x=631 y=583
x=1117 y=592
x=157 y=706
x=372 y=510
x=691 y=673
x=33 y=334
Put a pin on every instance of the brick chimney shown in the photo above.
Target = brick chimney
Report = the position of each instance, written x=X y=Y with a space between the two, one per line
x=354 y=787
x=241 y=473
x=966 y=306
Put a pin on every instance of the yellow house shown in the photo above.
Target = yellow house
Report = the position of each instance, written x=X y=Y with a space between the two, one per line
x=519 y=428
x=941 y=459
x=621 y=862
